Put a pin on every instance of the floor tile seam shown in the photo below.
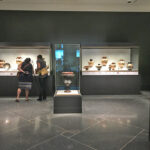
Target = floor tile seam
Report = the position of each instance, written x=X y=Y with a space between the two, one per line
x=45 y=141
x=71 y=135
x=132 y=139
x=96 y=119
x=53 y=125
x=53 y=117
x=77 y=131
x=92 y=119
x=37 y=116
x=79 y=142
x=25 y=118
x=27 y=125
x=9 y=132
x=131 y=125
x=85 y=129
x=137 y=127
x=21 y=117
x=29 y=121
x=70 y=131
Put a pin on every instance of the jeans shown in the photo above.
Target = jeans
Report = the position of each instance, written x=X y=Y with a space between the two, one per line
x=43 y=87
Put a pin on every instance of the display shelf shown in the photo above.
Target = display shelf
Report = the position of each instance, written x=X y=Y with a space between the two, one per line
x=8 y=73
x=13 y=73
x=62 y=92
x=110 y=72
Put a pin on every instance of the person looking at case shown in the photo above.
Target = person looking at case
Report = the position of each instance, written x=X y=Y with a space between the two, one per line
x=25 y=77
x=43 y=74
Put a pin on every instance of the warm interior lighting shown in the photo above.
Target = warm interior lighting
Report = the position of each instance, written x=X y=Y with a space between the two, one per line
x=7 y=121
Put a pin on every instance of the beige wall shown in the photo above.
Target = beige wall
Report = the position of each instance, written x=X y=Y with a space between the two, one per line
x=76 y=5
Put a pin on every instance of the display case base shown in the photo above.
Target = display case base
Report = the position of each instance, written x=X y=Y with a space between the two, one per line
x=110 y=84
x=70 y=103
x=9 y=85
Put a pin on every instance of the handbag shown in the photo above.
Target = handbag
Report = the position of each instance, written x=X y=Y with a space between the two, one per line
x=43 y=72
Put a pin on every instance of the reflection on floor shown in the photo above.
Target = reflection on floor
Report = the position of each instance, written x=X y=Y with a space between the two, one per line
x=118 y=122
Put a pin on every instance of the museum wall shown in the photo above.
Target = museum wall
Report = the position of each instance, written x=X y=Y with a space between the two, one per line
x=86 y=28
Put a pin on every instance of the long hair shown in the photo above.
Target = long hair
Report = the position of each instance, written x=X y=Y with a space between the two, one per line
x=27 y=60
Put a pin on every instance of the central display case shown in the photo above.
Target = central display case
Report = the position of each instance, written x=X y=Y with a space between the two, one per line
x=67 y=98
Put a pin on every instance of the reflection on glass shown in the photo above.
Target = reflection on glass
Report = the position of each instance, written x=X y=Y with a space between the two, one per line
x=59 y=54
x=77 y=53
x=67 y=57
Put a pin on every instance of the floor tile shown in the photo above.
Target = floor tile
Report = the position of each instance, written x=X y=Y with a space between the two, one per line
x=61 y=143
x=69 y=133
x=107 y=135
x=27 y=136
x=140 y=143
x=70 y=121
x=108 y=122
x=10 y=121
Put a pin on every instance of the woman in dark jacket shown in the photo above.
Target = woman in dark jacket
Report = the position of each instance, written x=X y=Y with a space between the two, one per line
x=25 y=78
x=42 y=78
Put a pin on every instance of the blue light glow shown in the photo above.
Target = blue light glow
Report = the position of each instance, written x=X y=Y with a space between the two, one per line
x=78 y=53
x=62 y=46
x=59 y=54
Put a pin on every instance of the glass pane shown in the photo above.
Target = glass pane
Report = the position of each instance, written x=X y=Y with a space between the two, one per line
x=67 y=57
x=14 y=56
x=110 y=59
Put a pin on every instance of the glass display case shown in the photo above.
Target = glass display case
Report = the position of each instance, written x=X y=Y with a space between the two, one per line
x=67 y=98
x=12 y=56
x=67 y=69
x=110 y=60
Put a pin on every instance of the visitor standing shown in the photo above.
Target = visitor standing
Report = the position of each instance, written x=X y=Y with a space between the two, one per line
x=43 y=74
x=25 y=77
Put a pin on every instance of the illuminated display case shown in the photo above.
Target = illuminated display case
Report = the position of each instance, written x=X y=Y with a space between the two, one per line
x=110 y=60
x=110 y=69
x=11 y=56
x=67 y=78
x=67 y=64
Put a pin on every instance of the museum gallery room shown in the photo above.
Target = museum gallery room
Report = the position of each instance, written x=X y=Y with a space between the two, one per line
x=74 y=74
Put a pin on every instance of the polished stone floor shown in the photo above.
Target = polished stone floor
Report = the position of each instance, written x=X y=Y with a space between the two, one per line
x=112 y=122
